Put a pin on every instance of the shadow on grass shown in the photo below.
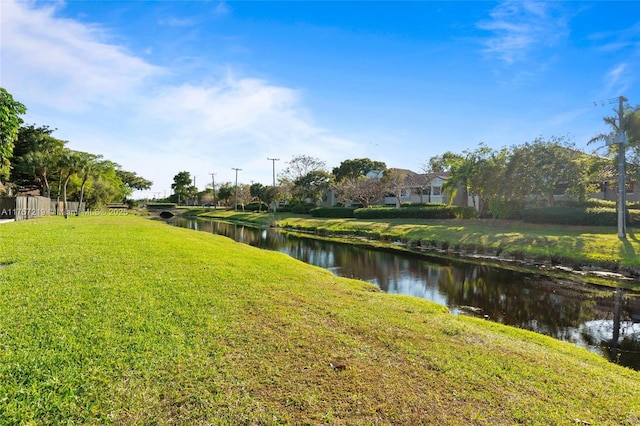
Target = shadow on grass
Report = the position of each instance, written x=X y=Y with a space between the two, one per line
x=628 y=252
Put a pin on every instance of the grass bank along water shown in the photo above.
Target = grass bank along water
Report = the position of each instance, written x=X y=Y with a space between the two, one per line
x=568 y=310
x=123 y=320
x=596 y=253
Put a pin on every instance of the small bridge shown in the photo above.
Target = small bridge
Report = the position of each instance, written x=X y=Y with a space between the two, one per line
x=163 y=210
x=168 y=214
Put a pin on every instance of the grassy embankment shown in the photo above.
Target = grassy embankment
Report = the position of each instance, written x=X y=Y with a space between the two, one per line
x=128 y=321
x=599 y=246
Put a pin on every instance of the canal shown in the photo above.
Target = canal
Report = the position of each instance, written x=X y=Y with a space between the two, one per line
x=603 y=320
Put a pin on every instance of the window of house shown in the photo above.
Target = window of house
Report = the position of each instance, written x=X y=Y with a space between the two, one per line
x=436 y=190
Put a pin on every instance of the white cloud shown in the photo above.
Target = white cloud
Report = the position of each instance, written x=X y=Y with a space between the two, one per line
x=105 y=100
x=521 y=26
x=62 y=62
x=615 y=41
x=221 y=9
x=617 y=79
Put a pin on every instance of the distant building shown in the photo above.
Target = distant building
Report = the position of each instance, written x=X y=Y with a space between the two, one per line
x=417 y=188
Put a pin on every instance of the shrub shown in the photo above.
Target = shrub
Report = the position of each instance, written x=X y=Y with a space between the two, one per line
x=510 y=209
x=302 y=208
x=590 y=203
x=336 y=212
x=256 y=206
x=430 y=212
x=562 y=215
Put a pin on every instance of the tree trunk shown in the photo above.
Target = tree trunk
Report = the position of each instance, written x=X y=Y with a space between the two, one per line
x=65 y=206
x=58 y=196
x=45 y=181
x=81 y=197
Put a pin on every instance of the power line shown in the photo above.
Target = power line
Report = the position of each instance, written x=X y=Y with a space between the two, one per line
x=607 y=101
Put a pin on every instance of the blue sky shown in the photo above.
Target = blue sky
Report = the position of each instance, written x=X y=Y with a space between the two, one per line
x=206 y=86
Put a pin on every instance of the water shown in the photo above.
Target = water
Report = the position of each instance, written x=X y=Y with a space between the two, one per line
x=575 y=312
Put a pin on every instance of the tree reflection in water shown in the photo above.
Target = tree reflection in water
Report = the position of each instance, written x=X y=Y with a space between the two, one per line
x=570 y=311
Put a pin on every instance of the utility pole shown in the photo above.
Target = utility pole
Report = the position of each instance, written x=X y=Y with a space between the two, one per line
x=213 y=188
x=275 y=198
x=235 y=206
x=195 y=197
x=620 y=138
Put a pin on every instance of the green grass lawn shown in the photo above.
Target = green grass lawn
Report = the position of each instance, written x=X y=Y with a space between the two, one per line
x=123 y=320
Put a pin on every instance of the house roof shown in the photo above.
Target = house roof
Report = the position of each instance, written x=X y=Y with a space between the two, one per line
x=421 y=177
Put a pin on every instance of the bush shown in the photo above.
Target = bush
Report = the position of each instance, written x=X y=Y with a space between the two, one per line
x=511 y=209
x=434 y=211
x=302 y=208
x=634 y=206
x=336 y=212
x=255 y=206
x=590 y=203
x=563 y=215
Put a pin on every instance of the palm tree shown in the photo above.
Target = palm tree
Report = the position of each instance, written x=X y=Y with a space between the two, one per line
x=41 y=160
x=86 y=166
x=631 y=125
x=69 y=164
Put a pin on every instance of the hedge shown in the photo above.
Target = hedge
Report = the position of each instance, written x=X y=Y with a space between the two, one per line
x=562 y=215
x=256 y=206
x=302 y=208
x=334 y=212
x=430 y=212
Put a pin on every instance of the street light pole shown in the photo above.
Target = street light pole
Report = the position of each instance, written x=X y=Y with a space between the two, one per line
x=275 y=198
x=235 y=206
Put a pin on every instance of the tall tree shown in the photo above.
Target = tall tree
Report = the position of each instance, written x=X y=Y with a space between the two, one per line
x=68 y=164
x=36 y=155
x=395 y=182
x=300 y=166
x=543 y=168
x=132 y=181
x=87 y=164
x=181 y=185
x=459 y=168
x=225 y=193
x=258 y=192
x=356 y=168
x=361 y=190
x=312 y=186
x=10 y=121
x=631 y=125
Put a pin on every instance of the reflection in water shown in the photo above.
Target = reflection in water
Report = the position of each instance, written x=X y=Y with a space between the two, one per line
x=569 y=311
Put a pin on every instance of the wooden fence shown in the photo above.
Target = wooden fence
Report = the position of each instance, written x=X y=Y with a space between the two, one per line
x=57 y=207
x=23 y=208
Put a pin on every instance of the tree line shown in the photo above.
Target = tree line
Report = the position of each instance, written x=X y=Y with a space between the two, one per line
x=497 y=182
x=33 y=160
